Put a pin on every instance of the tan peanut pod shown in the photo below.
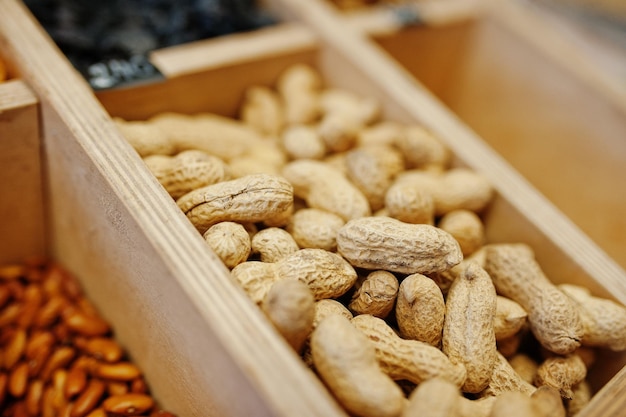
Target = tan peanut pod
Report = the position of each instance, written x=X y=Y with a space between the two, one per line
x=423 y=150
x=454 y=189
x=411 y=360
x=410 y=204
x=582 y=394
x=513 y=404
x=324 y=187
x=510 y=318
x=230 y=241
x=128 y=404
x=338 y=131
x=553 y=317
x=299 y=86
x=327 y=307
x=263 y=110
x=504 y=378
x=604 y=320
x=466 y=227
x=290 y=307
x=253 y=198
x=255 y=278
x=346 y=361
x=327 y=274
x=391 y=245
x=273 y=244
x=364 y=110
x=372 y=170
x=217 y=135
x=547 y=402
x=468 y=333
x=146 y=138
x=375 y=295
x=420 y=309
x=384 y=133
x=264 y=158
x=525 y=366
x=315 y=228
x=562 y=373
x=186 y=171
x=435 y=397
x=303 y=142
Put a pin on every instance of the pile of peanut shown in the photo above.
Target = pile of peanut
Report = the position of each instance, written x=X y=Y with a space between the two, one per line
x=58 y=356
x=362 y=241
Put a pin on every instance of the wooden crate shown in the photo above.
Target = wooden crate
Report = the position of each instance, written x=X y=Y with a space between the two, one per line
x=204 y=347
x=546 y=96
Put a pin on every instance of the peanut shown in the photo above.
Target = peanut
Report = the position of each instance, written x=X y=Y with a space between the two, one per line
x=346 y=361
x=468 y=334
x=504 y=378
x=315 y=228
x=384 y=133
x=299 y=87
x=510 y=318
x=513 y=404
x=230 y=241
x=262 y=109
x=216 y=135
x=410 y=204
x=466 y=227
x=553 y=317
x=323 y=187
x=372 y=170
x=420 y=309
x=146 y=138
x=525 y=366
x=303 y=142
x=547 y=402
x=273 y=244
x=389 y=244
x=364 y=110
x=581 y=395
x=435 y=397
x=252 y=198
x=423 y=150
x=186 y=171
x=326 y=273
x=326 y=307
x=290 y=307
x=562 y=373
x=375 y=295
x=454 y=189
x=412 y=360
x=604 y=320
